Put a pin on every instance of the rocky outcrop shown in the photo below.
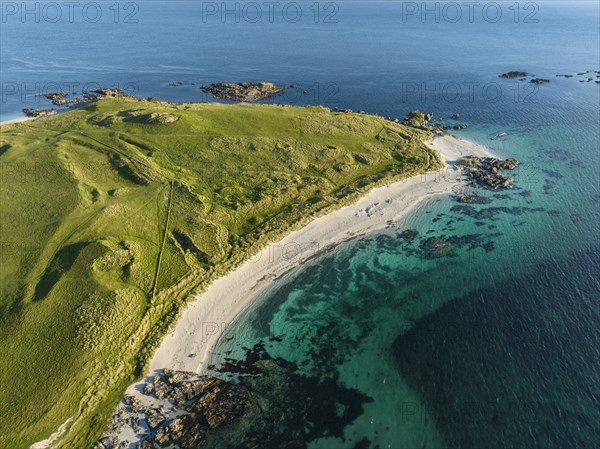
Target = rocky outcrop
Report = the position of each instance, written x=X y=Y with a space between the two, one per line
x=57 y=98
x=417 y=119
x=39 y=112
x=472 y=199
x=161 y=118
x=435 y=247
x=539 y=81
x=271 y=404
x=513 y=74
x=487 y=171
x=62 y=99
x=105 y=92
x=409 y=234
x=246 y=91
x=181 y=83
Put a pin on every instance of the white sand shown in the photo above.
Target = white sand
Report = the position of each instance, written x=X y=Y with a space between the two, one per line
x=16 y=120
x=50 y=442
x=188 y=347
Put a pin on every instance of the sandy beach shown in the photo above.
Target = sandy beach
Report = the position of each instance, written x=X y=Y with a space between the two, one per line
x=211 y=314
x=16 y=120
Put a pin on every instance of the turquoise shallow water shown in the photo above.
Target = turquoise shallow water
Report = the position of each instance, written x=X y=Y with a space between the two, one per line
x=492 y=345
x=457 y=351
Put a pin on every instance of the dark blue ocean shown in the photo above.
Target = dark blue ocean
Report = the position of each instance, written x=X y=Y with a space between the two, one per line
x=494 y=344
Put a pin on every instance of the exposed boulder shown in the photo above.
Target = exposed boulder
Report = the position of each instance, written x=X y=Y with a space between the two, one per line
x=539 y=81
x=161 y=118
x=409 y=234
x=513 y=74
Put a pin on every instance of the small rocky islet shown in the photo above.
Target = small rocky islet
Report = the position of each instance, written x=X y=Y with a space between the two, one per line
x=485 y=172
x=245 y=91
x=523 y=76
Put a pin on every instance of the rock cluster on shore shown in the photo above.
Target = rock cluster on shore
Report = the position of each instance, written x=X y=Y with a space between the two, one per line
x=192 y=406
x=417 y=119
x=421 y=120
x=61 y=99
x=39 y=112
x=270 y=405
x=249 y=92
x=487 y=172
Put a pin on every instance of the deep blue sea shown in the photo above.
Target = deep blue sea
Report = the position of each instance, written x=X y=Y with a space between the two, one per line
x=495 y=344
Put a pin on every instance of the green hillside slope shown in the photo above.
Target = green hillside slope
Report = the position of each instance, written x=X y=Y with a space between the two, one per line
x=112 y=215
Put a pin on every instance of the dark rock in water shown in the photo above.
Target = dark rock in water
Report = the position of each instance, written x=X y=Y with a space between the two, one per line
x=246 y=91
x=472 y=199
x=435 y=247
x=458 y=127
x=456 y=116
x=539 y=81
x=486 y=171
x=57 y=98
x=439 y=129
x=39 y=112
x=107 y=92
x=514 y=74
x=409 y=234
x=181 y=83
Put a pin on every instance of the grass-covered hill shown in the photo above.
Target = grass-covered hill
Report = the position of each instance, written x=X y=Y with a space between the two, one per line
x=113 y=214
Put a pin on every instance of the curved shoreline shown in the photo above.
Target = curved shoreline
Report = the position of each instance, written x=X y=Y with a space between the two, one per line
x=209 y=317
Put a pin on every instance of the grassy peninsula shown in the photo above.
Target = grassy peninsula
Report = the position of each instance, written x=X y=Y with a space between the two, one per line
x=113 y=215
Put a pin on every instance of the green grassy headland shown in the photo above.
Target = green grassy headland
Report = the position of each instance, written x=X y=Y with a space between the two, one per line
x=113 y=215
